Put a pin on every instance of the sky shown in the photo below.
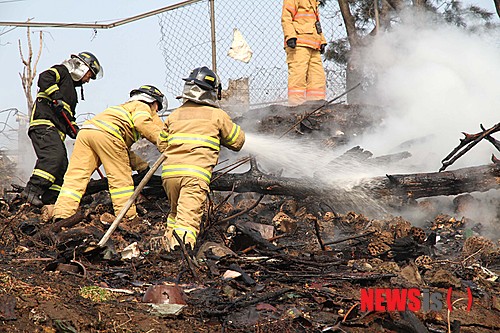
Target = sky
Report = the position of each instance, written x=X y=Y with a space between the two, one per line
x=129 y=54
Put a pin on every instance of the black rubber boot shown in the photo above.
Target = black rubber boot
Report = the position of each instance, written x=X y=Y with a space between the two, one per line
x=32 y=195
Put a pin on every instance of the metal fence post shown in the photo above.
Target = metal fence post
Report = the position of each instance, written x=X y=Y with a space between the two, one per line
x=212 y=33
x=263 y=79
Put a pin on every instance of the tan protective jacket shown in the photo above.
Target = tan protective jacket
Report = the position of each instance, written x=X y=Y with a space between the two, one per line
x=298 y=20
x=191 y=140
x=128 y=122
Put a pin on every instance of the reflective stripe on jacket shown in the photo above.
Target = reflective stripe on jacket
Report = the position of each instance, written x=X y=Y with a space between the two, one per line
x=54 y=83
x=128 y=122
x=298 y=20
x=191 y=140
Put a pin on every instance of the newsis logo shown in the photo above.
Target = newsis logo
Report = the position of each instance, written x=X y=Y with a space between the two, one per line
x=412 y=299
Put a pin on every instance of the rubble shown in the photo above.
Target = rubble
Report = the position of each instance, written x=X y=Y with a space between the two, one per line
x=263 y=263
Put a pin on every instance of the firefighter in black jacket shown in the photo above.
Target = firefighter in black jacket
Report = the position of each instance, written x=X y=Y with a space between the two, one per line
x=53 y=118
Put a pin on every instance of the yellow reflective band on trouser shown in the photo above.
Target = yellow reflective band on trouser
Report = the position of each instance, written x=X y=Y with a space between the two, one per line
x=235 y=131
x=45 y=122
x=44 y=175
x=121 y=192
x=185 y=169
x=315 y=94
x=55 y=187
x=196 y=139
x=67 y=192
x=185 y=231
x=170 y=222
x=51 y=89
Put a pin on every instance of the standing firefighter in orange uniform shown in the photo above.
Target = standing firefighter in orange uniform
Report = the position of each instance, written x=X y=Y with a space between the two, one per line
x=304 y=44
x=51 y=120
x=106 y=139
x=191 y=140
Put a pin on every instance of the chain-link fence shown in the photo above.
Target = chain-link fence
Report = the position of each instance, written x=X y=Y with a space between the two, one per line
x=189 y=40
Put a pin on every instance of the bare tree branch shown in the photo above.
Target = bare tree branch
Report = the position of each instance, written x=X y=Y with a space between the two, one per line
x=29 y=70
x=38 y=56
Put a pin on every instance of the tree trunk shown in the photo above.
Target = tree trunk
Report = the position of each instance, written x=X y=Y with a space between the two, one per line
x=353 y=72
x=29 y=70
x=27 y=78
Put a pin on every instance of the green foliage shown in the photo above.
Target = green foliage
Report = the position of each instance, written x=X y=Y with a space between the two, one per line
x=96 y=294
x=337 y=51
x=450 y=11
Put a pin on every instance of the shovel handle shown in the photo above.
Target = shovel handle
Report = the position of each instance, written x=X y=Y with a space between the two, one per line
x=131 y=200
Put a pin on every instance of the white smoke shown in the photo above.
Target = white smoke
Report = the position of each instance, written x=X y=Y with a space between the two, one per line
x=435 y=81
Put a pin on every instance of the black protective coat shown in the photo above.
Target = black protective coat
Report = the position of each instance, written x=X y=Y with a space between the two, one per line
x=52 y=157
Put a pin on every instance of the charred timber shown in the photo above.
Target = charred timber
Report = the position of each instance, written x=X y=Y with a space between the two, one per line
x=418 y=185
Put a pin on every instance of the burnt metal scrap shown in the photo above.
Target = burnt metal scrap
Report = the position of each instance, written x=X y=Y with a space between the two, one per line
x=305 y=275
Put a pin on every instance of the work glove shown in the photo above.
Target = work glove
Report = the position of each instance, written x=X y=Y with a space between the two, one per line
x=58 y=105
x=72 y=134
x=292 y=42
x=322 y=48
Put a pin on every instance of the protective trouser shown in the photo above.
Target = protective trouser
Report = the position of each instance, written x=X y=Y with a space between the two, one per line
x=92 y=148
x=306 y=75
x=51 y=164
x=187 y=196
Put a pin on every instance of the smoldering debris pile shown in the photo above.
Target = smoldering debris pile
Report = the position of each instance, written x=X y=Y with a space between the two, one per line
x=7 y=171
x=262 y=264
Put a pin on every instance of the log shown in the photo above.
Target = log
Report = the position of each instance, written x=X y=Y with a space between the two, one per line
x=420 y=185
x=403 y=186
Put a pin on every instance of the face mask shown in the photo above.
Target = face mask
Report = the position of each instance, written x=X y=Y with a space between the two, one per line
x=77 y=68
x=198 y=95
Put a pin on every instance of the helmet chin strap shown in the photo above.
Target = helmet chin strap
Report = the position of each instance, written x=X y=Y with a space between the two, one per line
x=81 y=92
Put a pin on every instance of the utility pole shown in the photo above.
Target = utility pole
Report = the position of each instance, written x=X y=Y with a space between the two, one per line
x=212 y=31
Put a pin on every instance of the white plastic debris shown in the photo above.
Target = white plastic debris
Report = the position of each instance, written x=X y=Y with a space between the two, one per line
x=167 y=309
x=131 y=251
x=240 y=50
x=229 y=274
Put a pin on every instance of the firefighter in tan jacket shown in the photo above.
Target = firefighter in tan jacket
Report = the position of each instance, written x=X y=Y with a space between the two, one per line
x=191 y=140
x=106 y=139
x=304 y=44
